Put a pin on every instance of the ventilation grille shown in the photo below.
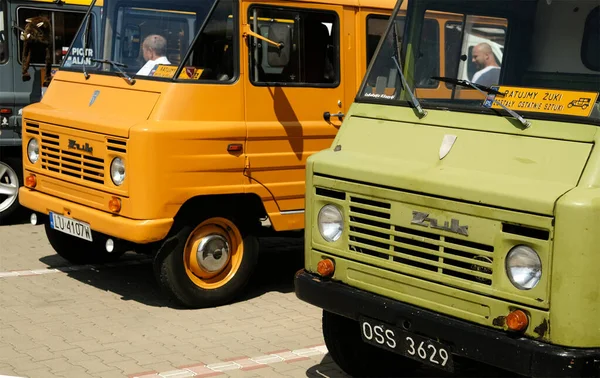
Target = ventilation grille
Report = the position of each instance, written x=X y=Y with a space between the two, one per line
x=69 y=163
x=371 y=233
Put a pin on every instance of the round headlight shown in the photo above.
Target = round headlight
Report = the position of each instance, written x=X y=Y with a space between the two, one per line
x=117 y=171
x=523 y=267
x=331 y=223
x=33 y=151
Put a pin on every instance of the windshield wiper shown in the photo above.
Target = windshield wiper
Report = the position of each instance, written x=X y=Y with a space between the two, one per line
x=118 y=66
x=485 y=91
x=396 y=59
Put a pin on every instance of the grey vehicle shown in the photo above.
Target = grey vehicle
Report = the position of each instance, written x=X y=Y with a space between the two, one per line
x=20 y=88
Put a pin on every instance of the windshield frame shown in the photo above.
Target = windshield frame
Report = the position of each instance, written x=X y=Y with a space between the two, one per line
x=415 y=17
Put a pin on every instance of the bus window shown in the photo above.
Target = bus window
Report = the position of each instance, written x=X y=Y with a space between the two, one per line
x=140 y=23
x=475 y=52
x=3 y=34
x=376 y=25
x=314 y=57
x=64 y=27
x=213 y=56
x=590 y=54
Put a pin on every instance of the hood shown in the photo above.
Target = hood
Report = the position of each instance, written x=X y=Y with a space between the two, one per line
x=496 y=165
x=102 y=104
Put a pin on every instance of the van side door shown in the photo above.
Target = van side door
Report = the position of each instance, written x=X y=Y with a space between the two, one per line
x=294 y=97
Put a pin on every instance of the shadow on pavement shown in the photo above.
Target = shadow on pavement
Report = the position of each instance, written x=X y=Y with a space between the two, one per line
x=132 y=277
x=328 y=368
x=20 y=216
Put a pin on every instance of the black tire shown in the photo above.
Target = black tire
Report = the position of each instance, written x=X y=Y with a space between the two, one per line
x=79 y=251
x=11 y=175
x=358 y=359
x=176 y=278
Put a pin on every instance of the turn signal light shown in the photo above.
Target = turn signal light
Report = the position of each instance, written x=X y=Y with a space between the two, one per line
x=5 y=111
x=325 y=268
x=517 y=320
x=30 y=181
x=114 y=205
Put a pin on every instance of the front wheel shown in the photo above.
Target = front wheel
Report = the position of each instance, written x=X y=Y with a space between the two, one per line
x=11 y=178
x=78 y=251
x=208 y=264
x=355 y=357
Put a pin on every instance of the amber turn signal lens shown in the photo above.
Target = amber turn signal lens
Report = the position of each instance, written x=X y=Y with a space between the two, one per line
x=325 y=268
x=517 y=320
x=114 y=205
x=30 y=181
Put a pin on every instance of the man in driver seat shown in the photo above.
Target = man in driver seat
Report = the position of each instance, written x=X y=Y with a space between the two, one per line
x=155 y=50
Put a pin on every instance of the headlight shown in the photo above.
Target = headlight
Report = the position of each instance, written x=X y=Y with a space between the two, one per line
x=523 y=267
x=117 y=171
x=331 y=223
x=33 y=150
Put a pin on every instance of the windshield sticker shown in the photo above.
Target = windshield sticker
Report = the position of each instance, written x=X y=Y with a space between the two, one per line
x=537 y=100
x=77 y=56
x=190 y=73
x=161 y=70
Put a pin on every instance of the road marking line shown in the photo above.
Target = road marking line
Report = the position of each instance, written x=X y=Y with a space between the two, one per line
x=245 y=363
x=72 y=268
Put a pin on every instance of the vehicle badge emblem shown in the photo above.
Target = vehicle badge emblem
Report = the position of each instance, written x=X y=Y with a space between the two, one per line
x=447 y=144
x=190 y=72
x=94 y=97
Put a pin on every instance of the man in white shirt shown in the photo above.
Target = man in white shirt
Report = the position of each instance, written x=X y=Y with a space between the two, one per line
x=489 y=71
x=155 y=50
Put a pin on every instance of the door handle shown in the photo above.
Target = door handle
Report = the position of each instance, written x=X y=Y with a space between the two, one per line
x=327 y=116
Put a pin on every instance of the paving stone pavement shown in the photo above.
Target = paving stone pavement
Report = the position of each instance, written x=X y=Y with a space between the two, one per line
x=59 y=320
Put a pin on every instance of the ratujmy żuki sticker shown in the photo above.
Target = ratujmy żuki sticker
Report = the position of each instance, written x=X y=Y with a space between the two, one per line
x=553 y=101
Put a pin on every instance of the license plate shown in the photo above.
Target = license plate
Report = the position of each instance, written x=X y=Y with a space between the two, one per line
x=408 y=344
x=70 y=226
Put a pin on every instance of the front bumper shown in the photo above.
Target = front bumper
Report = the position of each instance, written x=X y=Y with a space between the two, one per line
x=516 y=354
x=132 y=230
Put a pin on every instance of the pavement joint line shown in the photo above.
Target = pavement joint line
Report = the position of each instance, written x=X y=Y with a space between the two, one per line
x=73 y=268
x=245 y=363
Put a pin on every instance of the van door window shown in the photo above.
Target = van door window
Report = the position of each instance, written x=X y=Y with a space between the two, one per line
x=64 y=26
x=590 y=54
x=3 y=33
x=213 y=55
x=474 y=49
x=431 y=48
x=311 y=56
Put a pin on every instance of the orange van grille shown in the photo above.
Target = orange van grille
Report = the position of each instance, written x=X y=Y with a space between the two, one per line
x=69 y=163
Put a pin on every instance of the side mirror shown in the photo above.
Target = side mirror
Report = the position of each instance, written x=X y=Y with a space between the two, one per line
x=279 y=56
x=130 y=49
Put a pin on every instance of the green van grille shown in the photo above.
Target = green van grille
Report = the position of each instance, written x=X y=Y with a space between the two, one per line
x=372 y=233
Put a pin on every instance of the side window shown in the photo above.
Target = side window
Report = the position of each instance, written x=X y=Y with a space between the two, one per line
x=376 y=25
x=590 y=54
x=213 y=55
x=170 y=28
x=308 y=53
x=64 y=26
x=428 y=64
x=3 y=34
x=430 y=48
x=474 y=49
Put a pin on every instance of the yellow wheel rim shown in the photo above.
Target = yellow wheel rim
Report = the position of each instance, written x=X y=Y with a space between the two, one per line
x=213 y=253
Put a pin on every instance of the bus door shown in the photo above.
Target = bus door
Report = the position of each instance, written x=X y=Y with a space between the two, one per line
x=295 y=93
